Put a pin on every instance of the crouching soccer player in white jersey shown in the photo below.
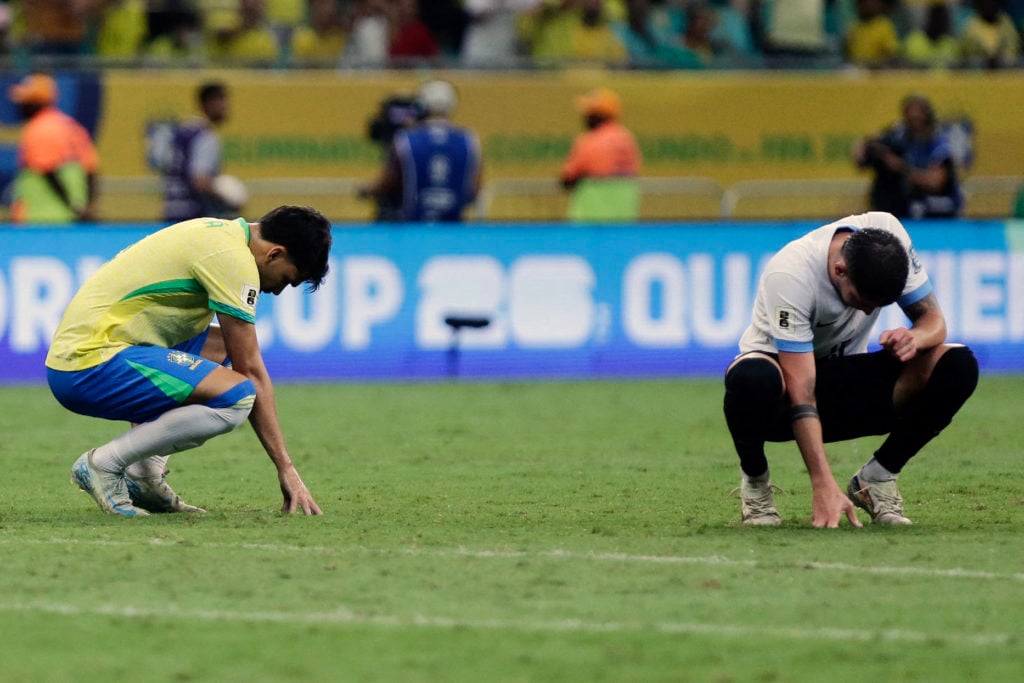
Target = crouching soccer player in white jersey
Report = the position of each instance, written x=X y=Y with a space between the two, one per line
x=804 y=372
x=136 y=344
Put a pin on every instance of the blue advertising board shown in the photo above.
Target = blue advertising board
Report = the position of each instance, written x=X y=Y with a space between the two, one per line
x=559 y=301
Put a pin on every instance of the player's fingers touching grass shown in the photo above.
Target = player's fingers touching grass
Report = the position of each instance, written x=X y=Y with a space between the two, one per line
x=296 y=495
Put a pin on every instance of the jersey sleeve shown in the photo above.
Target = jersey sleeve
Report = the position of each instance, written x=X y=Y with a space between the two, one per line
x=940 y=153
x=205 y=156
x=790 y=312
x=231 y=281
x=919 y=285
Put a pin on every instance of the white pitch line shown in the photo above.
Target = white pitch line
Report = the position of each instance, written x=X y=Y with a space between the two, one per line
x=951 y=573
x=345 y=617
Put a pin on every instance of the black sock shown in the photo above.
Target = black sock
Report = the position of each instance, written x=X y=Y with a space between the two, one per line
x=752 y=389
x=953 y=380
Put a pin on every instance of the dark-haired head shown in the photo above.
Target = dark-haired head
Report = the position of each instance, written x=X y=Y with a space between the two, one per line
x=306 y=234
x=211 y=90
x=876 y=264
x=213 y=101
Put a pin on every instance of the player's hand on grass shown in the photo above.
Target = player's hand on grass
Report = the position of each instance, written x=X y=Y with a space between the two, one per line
x=296 y=496
x=828 y=507
x=900 y=343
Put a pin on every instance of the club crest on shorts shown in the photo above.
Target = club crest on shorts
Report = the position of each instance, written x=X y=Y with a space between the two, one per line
x=180 y=358
x=250 y=295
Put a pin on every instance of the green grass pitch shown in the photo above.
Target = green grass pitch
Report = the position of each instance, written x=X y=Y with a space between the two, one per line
x=549 y=531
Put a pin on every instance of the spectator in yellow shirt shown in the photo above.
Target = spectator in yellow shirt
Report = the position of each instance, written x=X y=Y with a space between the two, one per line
x=285 y=16
x=933 y=45
x=122 y=29
x=872 y=40
x=180 y=41
x=592 y=37
x=322 y=41
x=252 y=41
x=990 y=39
x=560 y=30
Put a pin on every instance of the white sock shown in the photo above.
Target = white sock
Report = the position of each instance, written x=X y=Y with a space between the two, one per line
x=174 y=431
x=759 y=479
x=873 y=471
x=148 y=468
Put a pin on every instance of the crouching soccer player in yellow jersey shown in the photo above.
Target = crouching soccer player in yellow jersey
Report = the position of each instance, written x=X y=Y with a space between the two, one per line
x=136 y=344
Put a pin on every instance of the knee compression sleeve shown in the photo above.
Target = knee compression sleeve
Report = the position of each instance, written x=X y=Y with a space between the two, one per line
x=752 y=387
x=242 y=394
x=953 y=380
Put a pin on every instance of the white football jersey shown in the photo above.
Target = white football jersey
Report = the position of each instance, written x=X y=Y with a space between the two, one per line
x=798 y=310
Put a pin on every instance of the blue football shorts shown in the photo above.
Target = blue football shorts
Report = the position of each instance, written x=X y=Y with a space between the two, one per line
x=139 y=384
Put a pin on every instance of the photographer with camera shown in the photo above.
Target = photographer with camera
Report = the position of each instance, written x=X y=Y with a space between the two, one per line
x=396 y=113
x=432 y=170
x=915 y=166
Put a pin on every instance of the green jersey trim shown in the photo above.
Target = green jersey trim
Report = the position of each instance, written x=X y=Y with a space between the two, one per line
x=185 y=286
x=233 y=312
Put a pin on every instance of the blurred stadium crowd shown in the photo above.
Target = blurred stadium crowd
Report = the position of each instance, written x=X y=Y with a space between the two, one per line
x=641 y=34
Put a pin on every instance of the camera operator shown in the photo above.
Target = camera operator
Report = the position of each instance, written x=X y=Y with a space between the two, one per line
x=433 y=168
x=914 y=164
x=396 y=113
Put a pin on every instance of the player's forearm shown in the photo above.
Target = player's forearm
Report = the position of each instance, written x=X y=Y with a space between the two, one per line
x=267 y=427
x=800 y=377
x=807 y=431
x=240 y=345
x=928 y=324
x=929 y=333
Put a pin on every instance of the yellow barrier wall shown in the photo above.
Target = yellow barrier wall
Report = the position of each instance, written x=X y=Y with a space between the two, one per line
x=728 y=126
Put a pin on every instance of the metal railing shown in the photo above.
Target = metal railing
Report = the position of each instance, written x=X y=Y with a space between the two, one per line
x=543 y=199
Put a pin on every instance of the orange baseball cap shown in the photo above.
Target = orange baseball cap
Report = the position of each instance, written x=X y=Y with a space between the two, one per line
x=34 y=89
x=600 y=102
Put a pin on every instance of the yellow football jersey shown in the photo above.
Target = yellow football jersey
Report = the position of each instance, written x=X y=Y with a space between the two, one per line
x=160 y=291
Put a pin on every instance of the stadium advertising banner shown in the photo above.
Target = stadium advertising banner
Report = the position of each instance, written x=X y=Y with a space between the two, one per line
x=314 y=123
x=558 y=301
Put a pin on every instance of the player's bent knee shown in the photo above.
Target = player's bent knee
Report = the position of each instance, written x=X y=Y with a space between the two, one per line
x=756 y=378
x=235 y=404
x=956 y=371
